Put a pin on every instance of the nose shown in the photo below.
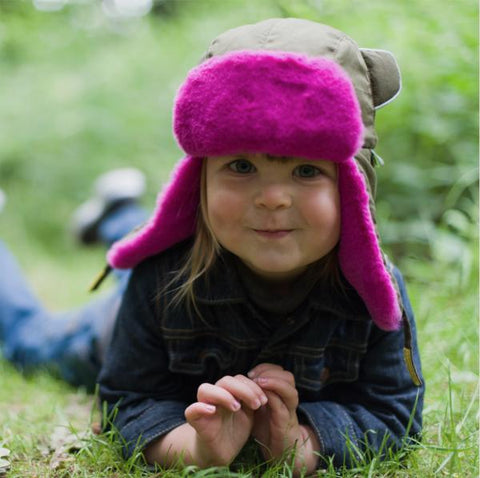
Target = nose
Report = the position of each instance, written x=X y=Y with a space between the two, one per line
x=273 y=196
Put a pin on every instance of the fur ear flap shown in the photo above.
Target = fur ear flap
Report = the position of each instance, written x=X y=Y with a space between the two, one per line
x=360 y=256
x=385 y=78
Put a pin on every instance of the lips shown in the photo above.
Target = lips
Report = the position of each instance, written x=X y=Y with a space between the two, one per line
x=273 y=233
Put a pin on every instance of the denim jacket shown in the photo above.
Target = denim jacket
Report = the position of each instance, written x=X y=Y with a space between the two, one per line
x=351 y=376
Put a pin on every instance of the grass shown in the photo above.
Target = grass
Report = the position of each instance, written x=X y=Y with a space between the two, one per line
x=83 y=96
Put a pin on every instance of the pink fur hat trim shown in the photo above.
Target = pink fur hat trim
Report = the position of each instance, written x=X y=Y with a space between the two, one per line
x=283 y=104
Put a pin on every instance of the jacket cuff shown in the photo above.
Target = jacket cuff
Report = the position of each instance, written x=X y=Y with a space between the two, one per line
x=157 y=419
x=331 y=425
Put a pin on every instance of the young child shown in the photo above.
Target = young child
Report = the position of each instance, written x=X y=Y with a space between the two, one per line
x=260 y=304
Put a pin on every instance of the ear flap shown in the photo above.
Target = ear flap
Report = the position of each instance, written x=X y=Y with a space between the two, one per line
x=360 y=256
x=173 y=220
x=385 y=78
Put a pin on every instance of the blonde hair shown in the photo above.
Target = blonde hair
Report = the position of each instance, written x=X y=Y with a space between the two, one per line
x=206 y=249
x=203 y=253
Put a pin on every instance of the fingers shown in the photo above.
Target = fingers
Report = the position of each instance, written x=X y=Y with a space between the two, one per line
x=230 y=392
x=262 y=368
x=284 y=389
x=244 y=390
x=271 y=377
x=213 y=395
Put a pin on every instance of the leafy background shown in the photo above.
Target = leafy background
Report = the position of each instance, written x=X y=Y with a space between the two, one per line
x=82 y=93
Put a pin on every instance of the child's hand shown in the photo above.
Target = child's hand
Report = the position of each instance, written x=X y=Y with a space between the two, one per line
x=276 y=424
x=223 y=418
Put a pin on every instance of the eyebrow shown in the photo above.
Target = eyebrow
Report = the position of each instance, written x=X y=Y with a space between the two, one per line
x=281 y=159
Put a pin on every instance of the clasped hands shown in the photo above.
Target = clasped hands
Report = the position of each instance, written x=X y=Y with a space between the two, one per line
x=263 y=405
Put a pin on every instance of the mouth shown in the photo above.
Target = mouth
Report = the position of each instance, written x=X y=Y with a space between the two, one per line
x=273 y=233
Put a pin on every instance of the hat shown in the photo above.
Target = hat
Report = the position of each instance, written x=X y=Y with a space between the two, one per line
x=281 y=103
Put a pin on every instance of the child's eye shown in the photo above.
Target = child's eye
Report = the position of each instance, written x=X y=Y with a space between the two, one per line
x=307 y=171
x=242 y=166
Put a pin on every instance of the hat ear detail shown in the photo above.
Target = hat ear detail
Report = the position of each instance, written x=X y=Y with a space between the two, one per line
x=385 y=79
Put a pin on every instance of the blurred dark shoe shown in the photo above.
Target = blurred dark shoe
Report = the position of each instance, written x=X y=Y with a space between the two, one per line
x=111 y=190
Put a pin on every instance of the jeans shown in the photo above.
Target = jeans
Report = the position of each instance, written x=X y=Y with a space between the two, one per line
x=71 y=343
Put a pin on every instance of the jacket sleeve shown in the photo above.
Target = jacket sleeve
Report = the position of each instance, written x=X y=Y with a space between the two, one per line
x=143 y=399
x=378 y=411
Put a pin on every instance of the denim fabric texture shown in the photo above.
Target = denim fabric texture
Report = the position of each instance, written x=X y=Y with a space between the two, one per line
x=350 y=375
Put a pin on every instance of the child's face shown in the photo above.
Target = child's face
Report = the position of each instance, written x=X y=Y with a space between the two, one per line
x=277 y=215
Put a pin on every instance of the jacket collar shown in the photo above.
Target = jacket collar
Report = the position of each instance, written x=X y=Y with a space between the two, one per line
x=223 y=285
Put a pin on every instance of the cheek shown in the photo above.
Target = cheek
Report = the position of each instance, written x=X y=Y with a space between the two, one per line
x=323 y=212
x=224 y=209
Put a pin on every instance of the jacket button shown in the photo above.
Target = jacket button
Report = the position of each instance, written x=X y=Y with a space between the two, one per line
x=324 y=374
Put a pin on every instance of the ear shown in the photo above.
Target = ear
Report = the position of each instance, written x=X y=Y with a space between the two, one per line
x=385 y=78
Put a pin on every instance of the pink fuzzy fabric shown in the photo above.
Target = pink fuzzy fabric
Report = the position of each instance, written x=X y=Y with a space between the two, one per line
x=283 y=104
x=172 y=221
x=359 y=252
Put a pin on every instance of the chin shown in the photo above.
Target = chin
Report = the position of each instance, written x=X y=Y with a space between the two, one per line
x=278 y=272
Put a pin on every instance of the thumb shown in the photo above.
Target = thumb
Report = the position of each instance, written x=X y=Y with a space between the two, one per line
x=198 y=410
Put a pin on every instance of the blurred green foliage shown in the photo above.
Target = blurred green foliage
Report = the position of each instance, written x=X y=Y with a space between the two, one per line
x=81 y=94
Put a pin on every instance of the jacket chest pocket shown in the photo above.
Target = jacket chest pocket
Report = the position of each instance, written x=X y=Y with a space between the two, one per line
x=329 y=355
x=201 y=355
x=316 y=368
x=308 y=368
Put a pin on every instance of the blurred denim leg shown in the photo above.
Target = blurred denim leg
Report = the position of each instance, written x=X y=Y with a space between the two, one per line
x=72 y=343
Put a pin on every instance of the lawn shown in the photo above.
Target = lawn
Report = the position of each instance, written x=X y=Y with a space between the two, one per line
x=83 y=94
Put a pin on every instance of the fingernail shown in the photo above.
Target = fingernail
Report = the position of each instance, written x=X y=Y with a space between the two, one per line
x=210 y=408
x=261 y=380
x=236 y=406
x=251 y=374
x=264 y=399
x=257 y=404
